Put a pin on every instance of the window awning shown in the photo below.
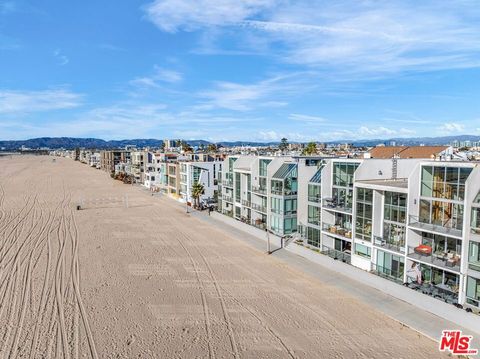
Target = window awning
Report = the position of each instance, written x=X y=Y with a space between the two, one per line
x=284 y=170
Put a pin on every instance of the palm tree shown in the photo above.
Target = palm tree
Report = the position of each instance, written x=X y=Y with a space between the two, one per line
x=197 y=191
x=310 y=149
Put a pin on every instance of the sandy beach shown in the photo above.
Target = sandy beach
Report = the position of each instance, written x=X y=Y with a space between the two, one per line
x=133 y=276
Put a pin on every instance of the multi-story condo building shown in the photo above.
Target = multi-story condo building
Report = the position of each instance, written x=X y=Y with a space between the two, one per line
x=112 y=158
x=205 y=173
x=413 y=221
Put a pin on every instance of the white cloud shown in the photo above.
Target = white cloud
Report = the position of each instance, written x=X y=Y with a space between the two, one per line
x=160 y=75
x=189 y=15
x=306 y=118
x=62 y=59
x=12 y=102
x=354 y=37
x=449 y=127
x=272 y=92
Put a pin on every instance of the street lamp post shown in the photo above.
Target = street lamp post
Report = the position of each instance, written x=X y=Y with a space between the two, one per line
x=268 y=241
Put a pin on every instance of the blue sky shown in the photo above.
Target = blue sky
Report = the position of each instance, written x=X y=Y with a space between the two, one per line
x=239 y=70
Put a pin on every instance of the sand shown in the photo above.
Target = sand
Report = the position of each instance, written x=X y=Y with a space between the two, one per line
x=150 y=281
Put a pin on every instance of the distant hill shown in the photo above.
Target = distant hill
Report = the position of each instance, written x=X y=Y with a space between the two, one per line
x=72 y=142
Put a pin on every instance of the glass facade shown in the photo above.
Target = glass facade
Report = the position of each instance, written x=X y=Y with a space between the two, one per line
x=314 y=192
x=441 y=213
x=314 y=214
x=313 y=236
x=475 y=221
x=363 y=222
x=362 y=250
x=262 y=167
x=474 y=256
x=343 y=173
x=390 y=264
x=444 y=182
x=473 y=291
x=237 y=187
x=394 y=221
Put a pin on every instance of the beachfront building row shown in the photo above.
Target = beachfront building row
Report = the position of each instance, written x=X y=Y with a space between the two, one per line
x=173 y=174
x=413 y=221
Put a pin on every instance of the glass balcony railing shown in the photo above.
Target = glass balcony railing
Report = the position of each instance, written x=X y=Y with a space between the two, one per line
x=337 y=205
x=450 y=227
x=444 y=294
x=282 y=212
x=393 y=245
x=392 y=275
x=424 y=253
x=338 y=229
x=336 y=254
x=285 y=192
x=315 y=198
x=314 y=220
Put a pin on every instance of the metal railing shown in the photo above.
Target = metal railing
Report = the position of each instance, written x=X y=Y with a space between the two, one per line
x=227 y=183
x=336 y=254
x=227 y=198
x=283 y=212
x=246 y=203
x=445 y=260
x=259 y=208
x=259 y=190
x=389 y=244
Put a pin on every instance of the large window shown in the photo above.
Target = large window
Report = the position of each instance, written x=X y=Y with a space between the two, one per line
x=444 y=182
x=395 y=207
x=313 y=236
x=314 y=192
x=473 y=291
x=440 y=213
x=314 y=215
x=290 y=225
x=343 y=173
x=363 y=224
x=362 y=250
x=475 y=223
x=262 y=167
x=442 y=245
x=390 y=264
x=237 y=187
x=474 y=256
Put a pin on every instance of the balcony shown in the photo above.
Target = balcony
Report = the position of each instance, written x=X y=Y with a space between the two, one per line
x=336 y=254
x=337 y=230
x=423 y=253
x=315 y=199
x=227 y=183
x=283 y=212
x=286 y=192
x=436 y=291
x=259 y=224
x=447 y=228
x=246 y=203
x=259 y=190
x=314 y=220
x=259 y=208
x=396 y=246
x=392 y=275
x=335 y=205
x=228 y=213
x=227 y=198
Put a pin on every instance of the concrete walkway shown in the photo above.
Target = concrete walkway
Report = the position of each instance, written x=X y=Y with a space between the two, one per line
x=420 y=312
